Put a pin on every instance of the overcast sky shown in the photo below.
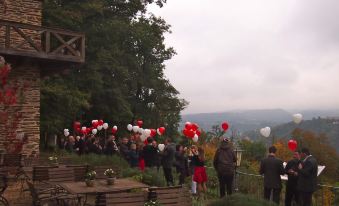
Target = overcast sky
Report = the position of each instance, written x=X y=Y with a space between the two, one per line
x=254 y=54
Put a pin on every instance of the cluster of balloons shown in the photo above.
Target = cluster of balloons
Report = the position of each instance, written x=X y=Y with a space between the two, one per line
x=97 y=125
x=145 y=133
x=192 y=131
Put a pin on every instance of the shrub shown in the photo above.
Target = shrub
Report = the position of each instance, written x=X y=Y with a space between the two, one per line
x=241 y=200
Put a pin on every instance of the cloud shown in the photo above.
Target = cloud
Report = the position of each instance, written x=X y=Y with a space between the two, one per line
x=254 y=54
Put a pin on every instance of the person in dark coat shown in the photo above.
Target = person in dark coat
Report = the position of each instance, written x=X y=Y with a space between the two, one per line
x=272 y=167
x=124 y=149
x=224 y=164
x=167 y=160
x=69 y=144
x=291 y=184
x=80 y=145
x=94 y=147
x=181 y=164
x=133 y=156
x=150 y=154
x=307 y=177
x=111 y=146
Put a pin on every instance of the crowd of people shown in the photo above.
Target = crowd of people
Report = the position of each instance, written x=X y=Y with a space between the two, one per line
x=186 y=161
x=302 y=174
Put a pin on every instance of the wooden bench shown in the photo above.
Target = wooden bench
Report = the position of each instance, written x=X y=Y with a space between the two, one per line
x=79 y=171
x=121 y=199
x=61 y=174
x=172 y=196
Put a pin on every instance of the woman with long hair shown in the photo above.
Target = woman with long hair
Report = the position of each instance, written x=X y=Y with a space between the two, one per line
x=200 y=175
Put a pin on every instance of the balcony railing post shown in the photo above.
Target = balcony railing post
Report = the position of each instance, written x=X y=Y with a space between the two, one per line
x=47 y=42
x=8 y=38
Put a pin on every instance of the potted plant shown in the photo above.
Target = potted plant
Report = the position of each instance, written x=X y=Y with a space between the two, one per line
x=110 y=174
x=53 y=160
x=89 y=178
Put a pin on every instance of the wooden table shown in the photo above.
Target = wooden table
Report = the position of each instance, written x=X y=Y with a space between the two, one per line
x=100 y=186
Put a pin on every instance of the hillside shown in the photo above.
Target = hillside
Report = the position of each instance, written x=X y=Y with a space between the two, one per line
x=247 y=120
x=328 y=126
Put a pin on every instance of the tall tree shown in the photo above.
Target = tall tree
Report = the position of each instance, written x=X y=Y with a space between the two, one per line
x=123 y=77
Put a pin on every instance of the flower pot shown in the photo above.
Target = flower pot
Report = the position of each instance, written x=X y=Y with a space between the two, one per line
x=89 y=183
x=110 y=181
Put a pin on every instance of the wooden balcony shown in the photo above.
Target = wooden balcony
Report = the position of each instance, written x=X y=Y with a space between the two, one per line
x=40 y=42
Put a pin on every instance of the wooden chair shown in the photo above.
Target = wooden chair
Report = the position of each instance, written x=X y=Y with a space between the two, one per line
x=3 y=187
x=79 y=171
x=172 y=196
x=12 y=164
x=43 y=197
x=121 y=199
x=57 y=175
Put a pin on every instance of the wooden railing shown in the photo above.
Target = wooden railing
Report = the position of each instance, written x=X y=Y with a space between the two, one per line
x=41 y=42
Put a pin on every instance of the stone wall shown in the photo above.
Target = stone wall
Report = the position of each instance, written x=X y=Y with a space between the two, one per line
x=24 y=70
x=28 y=75
x=22 y=11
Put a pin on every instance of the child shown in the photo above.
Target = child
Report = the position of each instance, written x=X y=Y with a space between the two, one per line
x=200 y=175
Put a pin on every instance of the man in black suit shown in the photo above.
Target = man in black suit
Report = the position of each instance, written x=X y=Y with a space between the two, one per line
x=291 y=184
x=272 y=167
x=307 y=177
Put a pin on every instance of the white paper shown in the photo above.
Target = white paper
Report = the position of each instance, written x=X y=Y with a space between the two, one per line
x=320 y=170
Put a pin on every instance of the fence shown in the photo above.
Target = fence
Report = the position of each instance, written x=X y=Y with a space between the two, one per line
x=326 y=195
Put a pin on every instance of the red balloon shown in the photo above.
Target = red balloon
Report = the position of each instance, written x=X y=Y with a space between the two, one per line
x=198 y=132
x=140 y=123
x=95 y=124
x=292 y=145
x=224 y=126
x=153 y=132
x=188 y=133
x=114 y=130
x=101 y=122
x=76 y=125
x=162 y=130
x=195 y=126
x=188 y=125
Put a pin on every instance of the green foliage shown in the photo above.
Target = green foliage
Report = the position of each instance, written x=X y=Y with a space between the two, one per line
x=123 y=77
x=240 y=200
x=253 y=150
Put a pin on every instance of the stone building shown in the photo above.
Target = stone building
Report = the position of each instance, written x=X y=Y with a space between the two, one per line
x=33 y=50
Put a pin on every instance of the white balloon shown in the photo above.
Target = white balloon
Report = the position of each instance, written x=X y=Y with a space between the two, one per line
x=66 y=130
x=66 y=134
x=143 y=137
x=135 y=129
x=94 y=131
x=158 y=131
x=94 y=121
x=195 y=138
x=77 y=137
x=99 y=127
x=129 y=127
x=83 y=128
x=147 y=132
x=141 y=130
x=161 y=147
x=105 y=126
x=297 y=118
x=265 y=131
x=115 y=128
